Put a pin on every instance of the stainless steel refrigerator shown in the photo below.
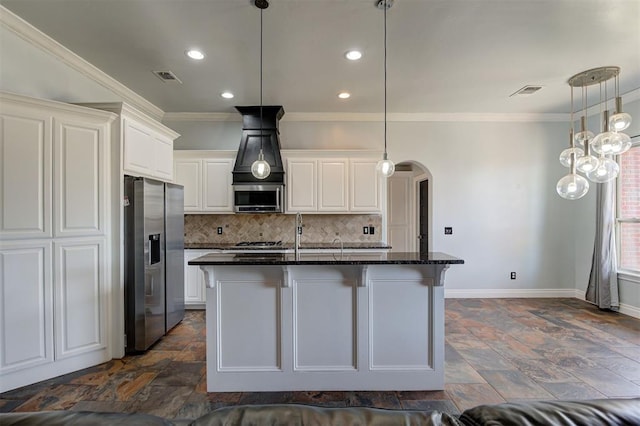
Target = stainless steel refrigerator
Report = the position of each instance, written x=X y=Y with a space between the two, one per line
x=153 y=260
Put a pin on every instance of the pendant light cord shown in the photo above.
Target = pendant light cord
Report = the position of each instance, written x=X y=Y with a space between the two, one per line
x=261 y=10
x=385 y=77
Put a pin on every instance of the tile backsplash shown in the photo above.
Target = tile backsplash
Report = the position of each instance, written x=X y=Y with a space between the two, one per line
x=316 y=228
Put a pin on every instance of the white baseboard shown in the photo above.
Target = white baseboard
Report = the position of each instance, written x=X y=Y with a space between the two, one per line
x=506 y=293
x=630 y=310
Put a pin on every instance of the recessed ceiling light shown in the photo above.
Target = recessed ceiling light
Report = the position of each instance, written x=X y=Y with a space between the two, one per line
x=344 y=95
x=195 y=54
x=227 y=95
x=353 y=55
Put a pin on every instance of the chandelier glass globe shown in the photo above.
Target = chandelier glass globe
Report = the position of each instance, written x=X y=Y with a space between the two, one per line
x=604 y=143
x=583 y=137
x=620 y=121
x=606 y=171
x=622 y=144
x=587 y=163
x=565 y=156
x=572 y=186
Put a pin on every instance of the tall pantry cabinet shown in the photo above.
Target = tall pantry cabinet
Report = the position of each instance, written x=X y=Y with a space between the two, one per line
x=55 y=239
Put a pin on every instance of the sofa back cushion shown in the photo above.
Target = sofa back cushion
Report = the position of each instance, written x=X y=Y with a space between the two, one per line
x=600 y=412
x=296 y=414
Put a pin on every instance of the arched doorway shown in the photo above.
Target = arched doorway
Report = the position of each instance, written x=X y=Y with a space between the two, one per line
x=409 y=207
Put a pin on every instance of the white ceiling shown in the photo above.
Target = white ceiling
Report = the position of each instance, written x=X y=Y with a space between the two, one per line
x=444 y=56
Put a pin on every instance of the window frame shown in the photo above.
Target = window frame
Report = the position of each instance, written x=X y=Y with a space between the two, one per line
x=629 y=274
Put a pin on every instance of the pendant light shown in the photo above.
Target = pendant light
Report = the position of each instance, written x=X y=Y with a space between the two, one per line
x=385 y=166
x=620 y=120
x=260 y=169
x=572 y=186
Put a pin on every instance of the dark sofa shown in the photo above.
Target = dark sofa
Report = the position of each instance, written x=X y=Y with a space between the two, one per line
x=605 y=412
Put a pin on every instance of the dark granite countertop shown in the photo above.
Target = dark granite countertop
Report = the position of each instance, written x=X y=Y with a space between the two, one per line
x=289 y=246
x=411 y=258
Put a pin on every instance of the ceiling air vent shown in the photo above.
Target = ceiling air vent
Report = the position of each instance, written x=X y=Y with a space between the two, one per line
x=167 y=76
x=526 y=90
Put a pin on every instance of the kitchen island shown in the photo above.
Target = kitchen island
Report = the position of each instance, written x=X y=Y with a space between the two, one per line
x=323 y=321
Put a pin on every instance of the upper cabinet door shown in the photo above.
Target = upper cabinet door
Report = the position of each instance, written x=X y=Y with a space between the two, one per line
x=365 y=187
x=218 y=195
x=188 y=173
x=80 y=176
x=138 y=148
x=163 y=156
x=333 y=187
x=25 y=171
x=302 y=187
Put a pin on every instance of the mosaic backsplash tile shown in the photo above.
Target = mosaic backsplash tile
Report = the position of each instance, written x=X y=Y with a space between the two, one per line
x=316 y=228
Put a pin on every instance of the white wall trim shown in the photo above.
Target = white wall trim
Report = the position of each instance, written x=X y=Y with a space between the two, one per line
x=498 y=293
x=632 y=311
x=202 y=116
x=376 y=117
x=37 y=38
x=507 y=293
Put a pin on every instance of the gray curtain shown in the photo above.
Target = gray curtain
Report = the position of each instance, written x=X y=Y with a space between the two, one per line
x=603 y=279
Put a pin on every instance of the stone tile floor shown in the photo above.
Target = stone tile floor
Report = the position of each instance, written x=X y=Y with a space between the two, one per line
x=496 y=350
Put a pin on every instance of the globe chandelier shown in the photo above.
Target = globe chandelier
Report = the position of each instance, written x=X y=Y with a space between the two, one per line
x=611 y=141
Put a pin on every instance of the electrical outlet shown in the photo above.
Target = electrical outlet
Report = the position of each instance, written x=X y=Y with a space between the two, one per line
x=513 y=275
x=219 y=230
x=365 y=230
x=372 y=230
x=448 y=230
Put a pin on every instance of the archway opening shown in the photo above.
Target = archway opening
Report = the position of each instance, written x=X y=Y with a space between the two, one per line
x=409 y=208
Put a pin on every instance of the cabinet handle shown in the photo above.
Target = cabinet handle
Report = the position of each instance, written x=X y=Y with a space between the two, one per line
x=278 y=198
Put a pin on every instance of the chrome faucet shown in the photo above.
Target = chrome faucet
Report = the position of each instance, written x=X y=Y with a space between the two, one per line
x=298 y=231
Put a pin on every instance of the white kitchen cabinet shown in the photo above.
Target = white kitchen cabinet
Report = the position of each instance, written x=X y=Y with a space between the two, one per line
x=188 y=173
x=137 y=148
x=25 y=197
x=317 y=185
x=80 y=150
x=365 y=186
x=207 y=179
x=325 y=183
x=302 y=185
x=80 y=296
x=217 y=190
x=147 y=145
x=26 y=299
x=163 y=157
x=333 y=187
x=194 y=283
x=55 y=262
x=146 y=151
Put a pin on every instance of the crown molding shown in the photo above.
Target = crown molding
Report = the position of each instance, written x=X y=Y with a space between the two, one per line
x=201 y=116
x=375 y=117
x=37 y=38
